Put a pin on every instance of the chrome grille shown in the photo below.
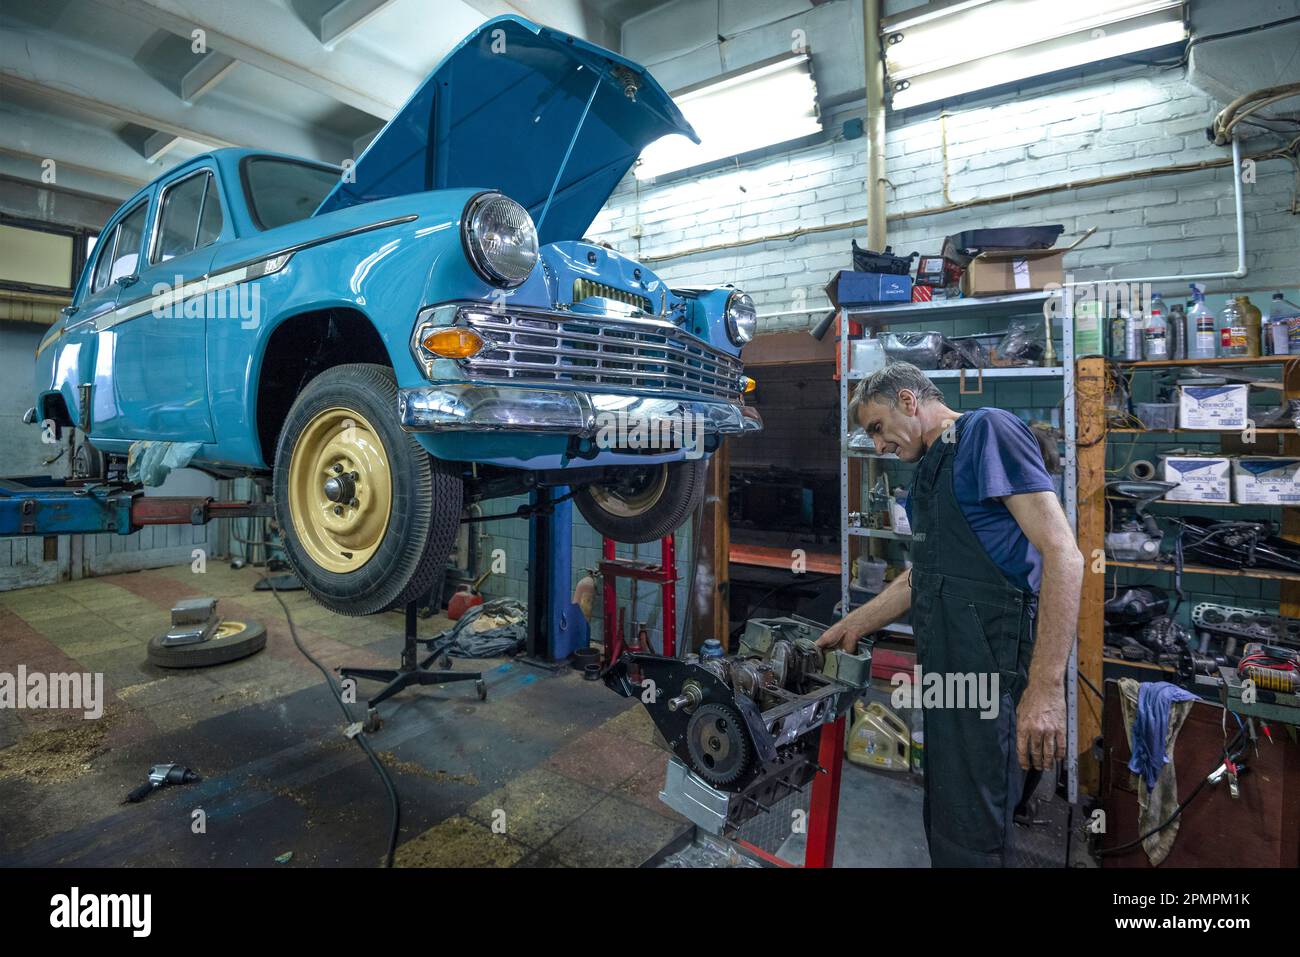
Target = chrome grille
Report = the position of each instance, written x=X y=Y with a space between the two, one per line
x=590 y=289
x=644 y=356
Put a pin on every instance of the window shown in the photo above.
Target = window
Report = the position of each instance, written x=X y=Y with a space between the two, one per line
x=285 y=191
x=190 y=217
x=120 y=251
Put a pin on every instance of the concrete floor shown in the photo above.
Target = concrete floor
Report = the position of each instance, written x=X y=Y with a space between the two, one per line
x=569 y=764
x=568 y=768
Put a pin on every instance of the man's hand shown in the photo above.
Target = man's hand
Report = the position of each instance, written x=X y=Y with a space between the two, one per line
x=1040 y=726
x=844 y=634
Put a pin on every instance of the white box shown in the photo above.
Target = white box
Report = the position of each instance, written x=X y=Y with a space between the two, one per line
x=1266 y=480
x=1200 y=478
x=1212 y=406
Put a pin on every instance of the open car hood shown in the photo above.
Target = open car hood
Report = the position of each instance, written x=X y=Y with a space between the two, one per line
x=501 y=110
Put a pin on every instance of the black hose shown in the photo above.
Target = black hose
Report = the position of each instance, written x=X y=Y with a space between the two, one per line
x=360 y=737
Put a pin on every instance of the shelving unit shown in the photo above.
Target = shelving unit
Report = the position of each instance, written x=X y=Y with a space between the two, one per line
x=1002 y=308
x=1093 y=435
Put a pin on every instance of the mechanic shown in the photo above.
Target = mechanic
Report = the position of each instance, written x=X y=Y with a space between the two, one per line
x=992 y=555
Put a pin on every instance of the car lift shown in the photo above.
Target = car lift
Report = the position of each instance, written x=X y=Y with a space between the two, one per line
x=41 y=505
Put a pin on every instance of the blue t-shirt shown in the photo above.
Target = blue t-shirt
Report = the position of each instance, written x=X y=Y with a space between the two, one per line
x=997 y=455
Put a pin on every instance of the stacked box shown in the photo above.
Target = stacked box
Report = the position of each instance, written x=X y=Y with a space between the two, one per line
x=1212 y=406
x=1266 y=480
x=1200 y=478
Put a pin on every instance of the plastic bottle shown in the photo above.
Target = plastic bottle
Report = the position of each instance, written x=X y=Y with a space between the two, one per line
x=1232 y=341
x=1132 y=333
x=1201 y=336
x=1254 y=324
x=1177 y=332
x=1287 y=315
x=1155 y=332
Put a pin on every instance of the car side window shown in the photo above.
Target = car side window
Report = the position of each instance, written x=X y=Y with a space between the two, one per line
x=190 y=218
x=125 y=257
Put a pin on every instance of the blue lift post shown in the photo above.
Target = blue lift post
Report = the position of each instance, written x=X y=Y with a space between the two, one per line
x=555 y=625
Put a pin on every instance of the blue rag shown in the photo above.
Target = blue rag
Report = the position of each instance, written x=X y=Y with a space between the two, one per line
x=1151 y=725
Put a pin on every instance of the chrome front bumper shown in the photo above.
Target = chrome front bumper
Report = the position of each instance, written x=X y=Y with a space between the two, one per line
x=465 y=407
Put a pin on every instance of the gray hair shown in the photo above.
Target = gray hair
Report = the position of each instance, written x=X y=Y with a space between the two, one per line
x=885 y=384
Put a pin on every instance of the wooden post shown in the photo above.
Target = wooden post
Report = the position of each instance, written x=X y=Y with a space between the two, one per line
x=1090 y=412
x=711 y=616
x=1289 y=606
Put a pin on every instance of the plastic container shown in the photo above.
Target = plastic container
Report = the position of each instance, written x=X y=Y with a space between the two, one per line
x=1254 y=325
x=1155 y=331
x=879 y=739
x=1202 y=340
x=1232 y=333
x=1158 y=415
x=1287 y=315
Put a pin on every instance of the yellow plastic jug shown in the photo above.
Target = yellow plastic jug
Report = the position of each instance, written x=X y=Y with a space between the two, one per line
x=879 y=738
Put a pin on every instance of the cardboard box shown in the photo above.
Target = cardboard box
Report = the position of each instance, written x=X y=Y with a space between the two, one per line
x=1212 y=406
x=1200 y=478
x=1266 y=480
x=1005 y=271
x=849 y=288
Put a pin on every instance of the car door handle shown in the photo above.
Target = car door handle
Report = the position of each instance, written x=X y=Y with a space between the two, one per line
x=130 y=280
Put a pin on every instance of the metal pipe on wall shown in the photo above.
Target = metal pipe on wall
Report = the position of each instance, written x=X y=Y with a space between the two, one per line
x=875 y=70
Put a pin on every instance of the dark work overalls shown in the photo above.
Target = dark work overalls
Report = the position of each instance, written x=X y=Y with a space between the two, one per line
x=968 y=617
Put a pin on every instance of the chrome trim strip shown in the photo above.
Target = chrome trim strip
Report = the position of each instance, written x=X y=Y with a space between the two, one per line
x=466 y=407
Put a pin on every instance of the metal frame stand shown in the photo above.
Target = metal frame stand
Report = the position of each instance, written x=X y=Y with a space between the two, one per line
x=663 y=574
x=412 y=670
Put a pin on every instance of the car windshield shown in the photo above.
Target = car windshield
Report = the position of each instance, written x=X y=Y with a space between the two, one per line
x=285 y=191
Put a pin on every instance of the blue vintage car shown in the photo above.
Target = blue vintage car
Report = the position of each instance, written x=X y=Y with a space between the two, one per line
x=421 y=329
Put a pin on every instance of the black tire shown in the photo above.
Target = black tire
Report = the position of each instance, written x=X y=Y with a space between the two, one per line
x=250 y=639
x=662 y=514
x=88 y=462
x=426 y=497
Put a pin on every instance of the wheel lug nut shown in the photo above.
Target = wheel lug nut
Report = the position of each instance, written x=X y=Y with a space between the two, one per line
x=338 y=509
x=354 y=503
x=338 y=469
x=356 y=476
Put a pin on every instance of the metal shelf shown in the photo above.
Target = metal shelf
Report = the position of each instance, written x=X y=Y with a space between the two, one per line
x=1224 y=361
x=888 y=533
x=1266 y=574
x=974 y=375
x=965 y=308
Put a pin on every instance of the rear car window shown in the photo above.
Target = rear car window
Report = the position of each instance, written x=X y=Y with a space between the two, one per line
x=120 y=250
x=191 y=217
x=285 y=191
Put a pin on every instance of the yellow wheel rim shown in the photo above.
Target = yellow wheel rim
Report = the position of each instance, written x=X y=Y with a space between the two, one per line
x=229 y=628
x=340 y=489
x=632 y=504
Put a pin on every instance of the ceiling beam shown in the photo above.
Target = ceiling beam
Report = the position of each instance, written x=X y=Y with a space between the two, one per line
x=344 y=17
x=244 y=30
x=46 y=67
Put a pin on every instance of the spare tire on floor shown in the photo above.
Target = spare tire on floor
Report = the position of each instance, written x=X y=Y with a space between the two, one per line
x=233 y=640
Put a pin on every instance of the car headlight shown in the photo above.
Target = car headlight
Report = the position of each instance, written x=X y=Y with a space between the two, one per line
x=500 y=239
x=742 y=318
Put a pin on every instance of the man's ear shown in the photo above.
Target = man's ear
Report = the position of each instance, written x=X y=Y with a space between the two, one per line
x=907 y=401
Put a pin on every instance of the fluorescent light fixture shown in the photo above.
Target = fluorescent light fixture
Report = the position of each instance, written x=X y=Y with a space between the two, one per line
x=947 y=49
x=771 y=103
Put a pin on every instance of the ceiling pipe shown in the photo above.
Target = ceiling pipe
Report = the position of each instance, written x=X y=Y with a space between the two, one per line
x=875 y=69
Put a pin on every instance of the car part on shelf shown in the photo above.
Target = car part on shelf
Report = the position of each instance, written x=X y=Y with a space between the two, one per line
x=1134 y=533
x=1136 y=605
x=1248 y=624
x=1237 y=545
x=743 y=729
x=1271 y=667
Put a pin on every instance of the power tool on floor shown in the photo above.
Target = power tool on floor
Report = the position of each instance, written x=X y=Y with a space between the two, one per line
x=161 y=776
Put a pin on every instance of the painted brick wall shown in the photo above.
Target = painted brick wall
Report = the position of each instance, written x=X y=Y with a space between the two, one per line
x=1123 y=121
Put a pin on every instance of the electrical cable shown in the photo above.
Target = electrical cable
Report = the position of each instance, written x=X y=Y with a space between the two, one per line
x=360 y=737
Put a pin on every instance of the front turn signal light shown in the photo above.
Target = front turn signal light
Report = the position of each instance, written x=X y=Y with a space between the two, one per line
x=747 y=385
x=453 y=343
